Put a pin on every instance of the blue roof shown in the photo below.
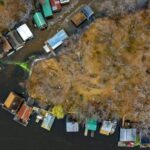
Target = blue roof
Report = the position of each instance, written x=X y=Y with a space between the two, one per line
x=88 y=12
x=57 y=39
x=145 y=138
x=48 y=122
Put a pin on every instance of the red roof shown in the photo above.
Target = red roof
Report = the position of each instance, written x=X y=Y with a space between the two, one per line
x=55 y=4
x=24 y=113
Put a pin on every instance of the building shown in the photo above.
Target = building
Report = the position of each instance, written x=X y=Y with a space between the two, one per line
x=56 y=6
x=108 y=127
x=15 y=40
x=88 y=12
x=78 y=18
x=128 y=137
x=46 y=8
x=13 y=103
x=90 y=125
x=23 y=115
x=39 y=21
x=71 y=124
x=64 y=1
x=25 y=32
x=144 y=139
x=55 y=41
x=6 y=47
x=48 y=122
x=72 y=127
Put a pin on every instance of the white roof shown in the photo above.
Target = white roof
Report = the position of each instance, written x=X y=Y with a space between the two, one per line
x=127 y=135
x=64 y=1
x=25 y=32
x=46 y=48
x=72 y=127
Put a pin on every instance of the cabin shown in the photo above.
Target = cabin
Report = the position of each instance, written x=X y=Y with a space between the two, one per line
x=127 y=137
x=64 y=1
x=13 y=102
x=90 y=125
x=6 y=47
x=144 y=139
x=46 y=9
x=71 y=124
x=15 y=40
x=25 y=32
x=88 y=12
x=54 y=42
x=56 y=6
x=23 y=115
x=48 y=121
x=108 y=127
x=78 y=18
x=39 y=21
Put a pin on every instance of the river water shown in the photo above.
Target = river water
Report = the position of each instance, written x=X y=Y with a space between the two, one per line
x=13 y=136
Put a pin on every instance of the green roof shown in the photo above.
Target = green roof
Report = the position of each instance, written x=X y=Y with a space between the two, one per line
x=39 y=20
x=91 y=124
x=46 y=7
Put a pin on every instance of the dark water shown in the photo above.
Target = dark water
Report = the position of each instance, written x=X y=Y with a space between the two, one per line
x=16 y=137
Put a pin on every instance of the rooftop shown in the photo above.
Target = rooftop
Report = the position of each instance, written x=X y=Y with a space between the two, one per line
x=78 y=18
x=13 y=102
x=23 y=114
x=57 y=39
x=25 y=32
x=48 y=122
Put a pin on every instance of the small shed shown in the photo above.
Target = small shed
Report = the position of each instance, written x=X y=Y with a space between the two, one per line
x=88 y=12
x=106 y=127
x=23 y=114
x=91 y=124
x=56 y=6
x=78 y=18
x=5 y=46
x=72 y=126
x=57 y=39
x=13 y=102
x=48 y=122
x=15 y=40
x=144 y=139
x=46 y=8
x=64 y=1
x=39 y=20
x=25 y=32
x=127 y=135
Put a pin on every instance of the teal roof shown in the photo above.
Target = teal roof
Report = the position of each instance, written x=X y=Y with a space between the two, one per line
x=47 y=10
x=91 y=124
x=39 y=20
